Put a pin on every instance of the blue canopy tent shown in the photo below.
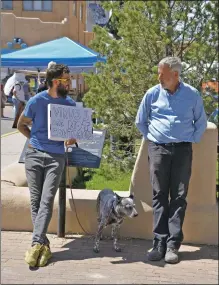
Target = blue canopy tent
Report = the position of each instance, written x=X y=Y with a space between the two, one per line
x=6 y=50
x=63 y=50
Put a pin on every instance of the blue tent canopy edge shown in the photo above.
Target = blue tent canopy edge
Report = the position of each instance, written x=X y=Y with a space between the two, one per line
x=62 y=50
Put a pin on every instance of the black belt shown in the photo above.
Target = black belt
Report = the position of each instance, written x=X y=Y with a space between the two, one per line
x=41 y=150
x=173 y=143
x=36 y=149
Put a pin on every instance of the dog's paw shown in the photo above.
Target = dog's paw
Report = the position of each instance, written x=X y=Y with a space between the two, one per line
x=96 y=249
x=118 y=249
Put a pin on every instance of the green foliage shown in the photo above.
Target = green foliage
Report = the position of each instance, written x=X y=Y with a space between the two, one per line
x=148 y=31
x=210 y=105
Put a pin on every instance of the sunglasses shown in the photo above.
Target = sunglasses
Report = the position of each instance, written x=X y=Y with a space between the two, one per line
x=64 y=80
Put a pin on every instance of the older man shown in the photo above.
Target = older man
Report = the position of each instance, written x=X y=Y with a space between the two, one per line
x=171 y=117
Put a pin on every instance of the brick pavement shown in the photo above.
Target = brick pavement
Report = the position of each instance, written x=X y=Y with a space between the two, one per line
x=74 y=262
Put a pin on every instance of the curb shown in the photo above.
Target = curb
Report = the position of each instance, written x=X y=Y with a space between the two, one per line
x=8 y=134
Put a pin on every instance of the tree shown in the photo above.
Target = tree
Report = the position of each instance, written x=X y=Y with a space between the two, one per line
x=146 y=31
x=112 y=24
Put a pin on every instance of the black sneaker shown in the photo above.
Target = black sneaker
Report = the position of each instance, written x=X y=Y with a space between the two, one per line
x=157 y=253
x=171 y=256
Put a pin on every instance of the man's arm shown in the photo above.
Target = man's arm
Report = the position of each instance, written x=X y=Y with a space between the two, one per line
x=22 y=126
x=141 y=120
x=200 y=119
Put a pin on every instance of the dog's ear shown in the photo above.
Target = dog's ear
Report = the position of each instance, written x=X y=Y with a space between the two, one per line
x=131 y=196
x=118 y=198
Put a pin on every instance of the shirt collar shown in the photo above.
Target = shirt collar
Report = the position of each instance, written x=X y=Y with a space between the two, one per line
x=178 y=87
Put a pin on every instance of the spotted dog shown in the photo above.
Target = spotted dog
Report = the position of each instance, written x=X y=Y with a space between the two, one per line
x=111 y=210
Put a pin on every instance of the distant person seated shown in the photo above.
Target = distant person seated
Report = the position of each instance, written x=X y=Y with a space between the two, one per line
x=27 y=91
x=42 y=83
x=42 y=86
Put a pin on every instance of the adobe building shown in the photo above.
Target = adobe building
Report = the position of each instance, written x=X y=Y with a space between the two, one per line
x=34 y=22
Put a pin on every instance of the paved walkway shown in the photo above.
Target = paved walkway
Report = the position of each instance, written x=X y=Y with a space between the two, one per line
x=11 y=148
x=74 y=262
x=7 y=122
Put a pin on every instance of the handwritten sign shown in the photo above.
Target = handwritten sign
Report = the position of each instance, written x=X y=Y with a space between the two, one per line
x=65 y=122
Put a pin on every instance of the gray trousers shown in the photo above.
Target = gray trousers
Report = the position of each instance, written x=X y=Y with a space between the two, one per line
x=43 y=171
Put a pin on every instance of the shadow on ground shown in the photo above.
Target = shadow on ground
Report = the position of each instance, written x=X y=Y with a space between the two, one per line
x=7 y=119
x=133 y=250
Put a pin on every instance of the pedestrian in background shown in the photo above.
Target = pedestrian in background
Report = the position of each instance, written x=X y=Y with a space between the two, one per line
x=3 y=101
x=27 y=91
x=18 y=100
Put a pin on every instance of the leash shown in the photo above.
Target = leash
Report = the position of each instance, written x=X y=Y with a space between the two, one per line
x=73 y=200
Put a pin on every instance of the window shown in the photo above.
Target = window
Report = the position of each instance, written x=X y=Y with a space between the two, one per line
x=47 y=5
x=75 y=8
x=81 y=12
x=7 y=5
x=37 y=5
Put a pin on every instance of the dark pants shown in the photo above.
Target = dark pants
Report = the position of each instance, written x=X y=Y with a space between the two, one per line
x=43 y=171
x=170 y=171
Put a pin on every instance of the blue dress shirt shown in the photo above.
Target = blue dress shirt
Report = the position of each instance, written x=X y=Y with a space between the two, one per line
x=164 y=118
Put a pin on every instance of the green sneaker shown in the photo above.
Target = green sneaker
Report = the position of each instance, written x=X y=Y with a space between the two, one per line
x=45 y=255
x=31 y=256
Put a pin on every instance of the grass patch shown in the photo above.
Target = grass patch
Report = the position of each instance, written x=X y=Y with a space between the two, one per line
x=98 y=180
x=107 y=176
x=119 y=183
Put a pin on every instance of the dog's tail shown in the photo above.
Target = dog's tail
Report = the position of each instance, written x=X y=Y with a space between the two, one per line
x=98 y=207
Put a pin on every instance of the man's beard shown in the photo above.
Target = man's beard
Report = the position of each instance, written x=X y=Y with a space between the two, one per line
x=62 y=92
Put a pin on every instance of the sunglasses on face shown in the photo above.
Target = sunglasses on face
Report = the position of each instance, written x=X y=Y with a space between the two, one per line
x=63 y=80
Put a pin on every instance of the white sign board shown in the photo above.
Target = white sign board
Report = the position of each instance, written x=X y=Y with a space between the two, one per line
x=65 y=122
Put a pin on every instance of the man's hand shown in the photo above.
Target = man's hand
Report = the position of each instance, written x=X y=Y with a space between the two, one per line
x=70 y=142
